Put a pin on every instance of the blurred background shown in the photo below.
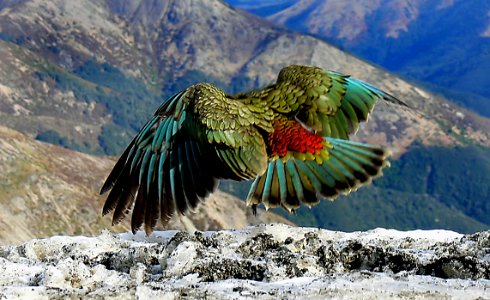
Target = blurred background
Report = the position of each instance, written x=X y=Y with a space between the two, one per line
x=79 y=78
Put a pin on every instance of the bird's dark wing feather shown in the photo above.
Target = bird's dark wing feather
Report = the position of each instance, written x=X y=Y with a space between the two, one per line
x=195 y=138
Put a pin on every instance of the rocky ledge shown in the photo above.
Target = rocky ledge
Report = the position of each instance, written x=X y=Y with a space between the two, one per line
x=266 y=262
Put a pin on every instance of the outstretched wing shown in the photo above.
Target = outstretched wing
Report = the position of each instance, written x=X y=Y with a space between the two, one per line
x=356 y=104
x=195 y=138
x=343 y=166
x=330 y=103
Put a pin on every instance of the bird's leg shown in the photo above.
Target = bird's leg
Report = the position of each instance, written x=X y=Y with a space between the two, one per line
x=254 y=209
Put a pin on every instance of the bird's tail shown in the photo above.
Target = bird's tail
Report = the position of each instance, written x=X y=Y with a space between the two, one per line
x=288 y=182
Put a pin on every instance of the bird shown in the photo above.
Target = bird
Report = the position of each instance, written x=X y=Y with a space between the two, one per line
x=291 y=138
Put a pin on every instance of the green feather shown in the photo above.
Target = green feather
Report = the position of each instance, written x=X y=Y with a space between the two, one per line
x=161 y=176
x=275 y=199
x=159 y=135
x=175 y=128
x=130 y=154
x=357 y=98
x=350 y=115
x=306 y=183
x=309 y=174
x=253 y=189
x=343 y=126
x=268 y=181
x=358 y=158
x=144 y=162
x=178 y=107
x=217 y=136
x=298 y=187
x=143 y=133
x=135 y=160
x=281 y=175
x=228 y=158
x=348 y=162
x=363 y=149
x=168 y=134
x=339 y=165
x=182 y=118
x=187 y=189
x=172 y=177
x=255 y=195
x=321 y=173
x=332 y=169
x=326 y=130
x=334 y=127
x=241 y=162
x=151 y=169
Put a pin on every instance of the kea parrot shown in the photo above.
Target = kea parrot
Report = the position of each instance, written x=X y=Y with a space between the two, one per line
x=291 y=138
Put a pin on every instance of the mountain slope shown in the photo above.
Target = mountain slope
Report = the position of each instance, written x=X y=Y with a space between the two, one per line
x=46 y=190
x=440 y=42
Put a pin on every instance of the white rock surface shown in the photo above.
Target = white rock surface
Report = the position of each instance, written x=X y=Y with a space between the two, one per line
x=264 y=262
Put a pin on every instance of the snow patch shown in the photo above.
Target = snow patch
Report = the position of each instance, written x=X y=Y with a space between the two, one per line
x=266 y=261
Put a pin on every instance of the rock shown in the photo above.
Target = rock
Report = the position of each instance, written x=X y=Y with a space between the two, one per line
x=265 y=261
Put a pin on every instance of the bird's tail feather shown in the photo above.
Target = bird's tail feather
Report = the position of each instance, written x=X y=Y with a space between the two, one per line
x=289 y=182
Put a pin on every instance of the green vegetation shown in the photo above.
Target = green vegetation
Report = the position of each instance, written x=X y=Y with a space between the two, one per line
x=53 y=137
x=457 y=177
x=373 y=207
x=128 y=100
x=12 y=39
x=113 y=139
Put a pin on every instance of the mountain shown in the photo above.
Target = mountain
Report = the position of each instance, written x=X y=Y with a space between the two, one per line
x=444 y=44
x=87 y=74
x=269 y=262
x=47 y=190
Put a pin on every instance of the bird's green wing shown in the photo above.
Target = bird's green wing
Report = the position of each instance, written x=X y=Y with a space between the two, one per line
x=357 y=102
x=343 y=166
x=195 y=138
x=330 y=103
